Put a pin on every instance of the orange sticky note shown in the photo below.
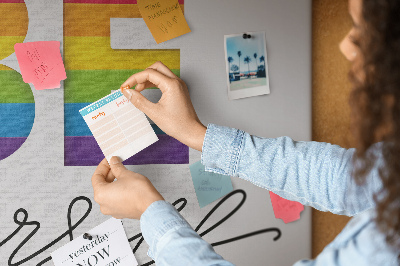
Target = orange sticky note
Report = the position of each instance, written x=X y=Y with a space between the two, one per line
x=164 y=18
x=41 y=63
x=284 y=209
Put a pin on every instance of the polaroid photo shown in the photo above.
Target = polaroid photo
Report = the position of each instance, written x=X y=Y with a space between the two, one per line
x=246 y=65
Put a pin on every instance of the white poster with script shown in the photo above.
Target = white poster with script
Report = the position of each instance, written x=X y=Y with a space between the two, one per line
x=109 y=246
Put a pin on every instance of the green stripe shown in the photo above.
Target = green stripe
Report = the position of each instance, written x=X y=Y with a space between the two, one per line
x=13 y=89
x=82 y=86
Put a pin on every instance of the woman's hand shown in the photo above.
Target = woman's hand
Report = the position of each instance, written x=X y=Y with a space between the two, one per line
x=174 y=113
x=128 y=196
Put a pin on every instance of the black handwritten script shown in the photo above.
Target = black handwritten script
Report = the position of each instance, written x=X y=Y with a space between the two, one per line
x=179 y=204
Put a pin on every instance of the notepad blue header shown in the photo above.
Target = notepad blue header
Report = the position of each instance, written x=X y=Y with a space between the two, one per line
x=94 y=106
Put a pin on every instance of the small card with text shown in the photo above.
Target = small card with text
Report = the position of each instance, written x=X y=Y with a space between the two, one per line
x=41 y=64
x=108 y=246
x=164 y=18
x=209 y=186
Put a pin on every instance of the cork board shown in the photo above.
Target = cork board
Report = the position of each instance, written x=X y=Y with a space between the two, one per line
x=330 y=97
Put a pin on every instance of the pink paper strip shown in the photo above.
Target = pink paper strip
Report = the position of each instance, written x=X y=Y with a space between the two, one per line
x=41 y=64
x=284 y=209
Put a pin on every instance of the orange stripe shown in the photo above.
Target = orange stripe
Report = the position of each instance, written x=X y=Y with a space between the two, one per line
x=94 y=19
x=13 y=19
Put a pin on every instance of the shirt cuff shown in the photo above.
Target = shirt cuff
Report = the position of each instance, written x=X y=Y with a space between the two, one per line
x=158 y=219
x=222 y=148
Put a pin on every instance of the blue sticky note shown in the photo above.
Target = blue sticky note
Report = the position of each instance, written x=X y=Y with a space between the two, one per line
x=209 y=186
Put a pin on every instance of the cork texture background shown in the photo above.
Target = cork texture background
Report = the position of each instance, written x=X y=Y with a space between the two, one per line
x=330 y=107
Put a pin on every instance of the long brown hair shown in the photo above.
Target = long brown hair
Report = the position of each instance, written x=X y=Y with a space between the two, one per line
x=375 y=103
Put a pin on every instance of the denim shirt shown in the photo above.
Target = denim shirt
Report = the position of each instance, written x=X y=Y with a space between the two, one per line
x=312 y=173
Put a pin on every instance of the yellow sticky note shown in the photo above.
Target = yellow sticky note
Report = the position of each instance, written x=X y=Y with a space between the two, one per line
x=164 y=18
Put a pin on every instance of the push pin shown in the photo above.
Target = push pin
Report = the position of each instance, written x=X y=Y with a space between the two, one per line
x=246 y=36
x=87 y=236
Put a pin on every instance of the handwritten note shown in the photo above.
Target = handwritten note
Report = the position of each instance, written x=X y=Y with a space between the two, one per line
x=209 y=186
x=108 y=246
x=41 y=64
x=118 y=126
x=164 y=18
x=284 y=209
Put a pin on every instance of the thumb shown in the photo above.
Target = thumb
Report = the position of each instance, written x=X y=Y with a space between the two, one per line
x=117 y=167
x=138 y=100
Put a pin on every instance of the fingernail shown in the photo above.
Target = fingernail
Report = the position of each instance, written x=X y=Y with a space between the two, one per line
x=128 y=94
x=115 y=160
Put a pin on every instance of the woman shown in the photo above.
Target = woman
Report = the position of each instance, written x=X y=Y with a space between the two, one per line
x=362 y=181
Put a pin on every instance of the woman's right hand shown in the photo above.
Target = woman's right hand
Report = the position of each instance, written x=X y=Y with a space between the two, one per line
x=174 y=113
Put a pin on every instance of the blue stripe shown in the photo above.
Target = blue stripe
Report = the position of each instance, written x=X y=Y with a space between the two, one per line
x=16 y=119
x=75 y=126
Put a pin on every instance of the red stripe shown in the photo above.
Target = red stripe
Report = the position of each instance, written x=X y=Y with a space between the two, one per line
x=11 y=1
x=99 y=1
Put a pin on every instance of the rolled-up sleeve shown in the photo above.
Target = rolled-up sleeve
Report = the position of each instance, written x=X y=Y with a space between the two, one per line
x=313 y=173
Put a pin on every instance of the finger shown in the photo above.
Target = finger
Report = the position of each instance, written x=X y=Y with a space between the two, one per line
x=110 y=177
x=160 y=67
x=142 y=86
x=117 y=167
x=159 y=80
x=100 y=174
x=140 y=102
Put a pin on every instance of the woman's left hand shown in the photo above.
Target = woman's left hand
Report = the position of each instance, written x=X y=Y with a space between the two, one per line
x=128 y=196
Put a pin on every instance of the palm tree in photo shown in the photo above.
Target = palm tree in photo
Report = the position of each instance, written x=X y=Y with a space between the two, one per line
x=262 y=59
x=247 y=60
x=230 y=60
x=234 y=68
x=239 y=54
x=255 y=58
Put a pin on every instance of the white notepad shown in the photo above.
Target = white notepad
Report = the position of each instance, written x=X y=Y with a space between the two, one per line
x=118 y=126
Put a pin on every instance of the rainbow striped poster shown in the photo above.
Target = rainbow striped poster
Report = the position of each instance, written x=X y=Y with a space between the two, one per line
x=17 y=111
x=94 y=69
x=17 y=105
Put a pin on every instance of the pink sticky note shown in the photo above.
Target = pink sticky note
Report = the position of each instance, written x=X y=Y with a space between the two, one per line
x=284 y=209
x=41 y=64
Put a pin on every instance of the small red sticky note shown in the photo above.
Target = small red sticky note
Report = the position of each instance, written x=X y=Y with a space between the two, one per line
x=41 y=64
x=284 y=209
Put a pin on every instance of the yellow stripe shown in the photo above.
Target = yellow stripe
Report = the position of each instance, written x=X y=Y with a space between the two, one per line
x=13 y=19
x=3 y=67
x=94 y=19
x=7 y=44
x=96 y=53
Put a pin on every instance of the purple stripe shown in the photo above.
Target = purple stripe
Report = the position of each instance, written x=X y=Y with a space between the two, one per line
x=9 y=145
x=84 y=151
